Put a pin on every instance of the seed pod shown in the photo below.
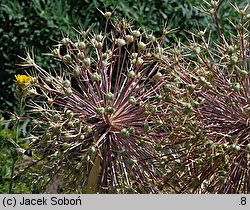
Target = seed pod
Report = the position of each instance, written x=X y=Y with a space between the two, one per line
x=158 y=76
x=50 y=101
x=69 y=114
x=87 y=61
x=132 y=130
x=187 y=108
x=141 y=45
x=56 y=117
x=209 y=143
x=77 y=71
x=234 y=58
x=100 y=110
x=129 y=38
x=201 y=33
x=248 y=147
x=236 y=86
x=67 y=58
x=92 y=149
x=137 y=61
x=124 y=133
x=131 y=74
x=152 y=108
x=80 y=55
x=146 y=128
x=151 y=38
x=110 y=110
x=107 y=14
x=121 y=42
x=81 y=137
x=132 y=100
x=191 y=87
x=99 y=38
x=235 y=147
x=96 y=77
x=230 y=49
x=66 y=83
x=158 y=97
x=65 y=41
x=110 y=96
x=68 y=91
x=87 y=129
x=80 y=45
x=136 y=33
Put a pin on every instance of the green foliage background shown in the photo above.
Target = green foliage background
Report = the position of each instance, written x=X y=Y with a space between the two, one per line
x=37 y=23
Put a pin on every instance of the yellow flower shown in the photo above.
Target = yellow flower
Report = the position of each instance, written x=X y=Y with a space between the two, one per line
x=23 y=80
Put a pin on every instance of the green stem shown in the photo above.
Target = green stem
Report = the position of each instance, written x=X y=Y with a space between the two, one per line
x=92 y=183
x=20 y=111
x=12 y=174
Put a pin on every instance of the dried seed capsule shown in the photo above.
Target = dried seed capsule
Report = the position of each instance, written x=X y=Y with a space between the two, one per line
x=81 y=137
x=235 y=147
x=99 y=38
x=137 y=61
